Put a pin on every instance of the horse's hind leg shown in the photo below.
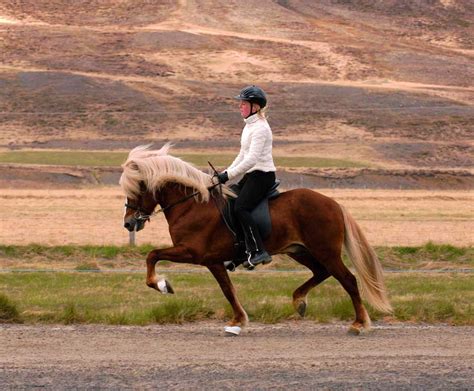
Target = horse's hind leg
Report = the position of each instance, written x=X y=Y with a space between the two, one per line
x=319 y=275
x=336 y=267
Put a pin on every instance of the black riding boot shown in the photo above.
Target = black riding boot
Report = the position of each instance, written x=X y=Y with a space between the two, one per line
x=255 y=250
x=240 y=250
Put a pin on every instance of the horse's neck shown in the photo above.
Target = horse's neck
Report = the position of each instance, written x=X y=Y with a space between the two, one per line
x=171 y=193
x=170 y=197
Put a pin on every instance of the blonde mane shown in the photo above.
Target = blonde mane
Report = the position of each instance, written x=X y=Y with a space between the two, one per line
x=155 y=168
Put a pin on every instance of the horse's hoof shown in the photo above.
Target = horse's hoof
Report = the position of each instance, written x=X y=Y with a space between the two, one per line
x=232 y=331
x=353 y=330
x=165 y=287
x=358 y=330
x=301 y=309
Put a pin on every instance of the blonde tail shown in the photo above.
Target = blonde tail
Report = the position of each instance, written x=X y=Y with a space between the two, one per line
x=366 y=264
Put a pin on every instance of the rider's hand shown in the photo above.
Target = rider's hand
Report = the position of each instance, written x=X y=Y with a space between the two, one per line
x=223 y=177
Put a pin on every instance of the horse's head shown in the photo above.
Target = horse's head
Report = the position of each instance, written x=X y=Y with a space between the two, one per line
x=147 y=172
x=138 y=209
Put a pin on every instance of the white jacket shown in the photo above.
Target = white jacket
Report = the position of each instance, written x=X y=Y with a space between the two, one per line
x=255 y=148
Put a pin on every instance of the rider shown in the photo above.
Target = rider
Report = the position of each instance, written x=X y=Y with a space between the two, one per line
x=255 y=161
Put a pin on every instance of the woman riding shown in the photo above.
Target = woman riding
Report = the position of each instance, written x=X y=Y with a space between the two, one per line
x=255 y=161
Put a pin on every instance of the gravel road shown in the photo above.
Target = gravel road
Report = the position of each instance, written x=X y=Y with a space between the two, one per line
x=291 y=355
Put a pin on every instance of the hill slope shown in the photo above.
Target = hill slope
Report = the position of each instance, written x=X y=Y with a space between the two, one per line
x=389 y=83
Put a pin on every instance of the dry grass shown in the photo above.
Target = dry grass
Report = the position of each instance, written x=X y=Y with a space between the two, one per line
x=411 y=217
x=79 y=216
x=94 y=216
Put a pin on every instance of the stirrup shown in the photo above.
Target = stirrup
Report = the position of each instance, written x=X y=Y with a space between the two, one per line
x=249 y=265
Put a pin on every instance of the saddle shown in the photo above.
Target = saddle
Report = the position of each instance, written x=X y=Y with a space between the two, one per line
x=260 y=214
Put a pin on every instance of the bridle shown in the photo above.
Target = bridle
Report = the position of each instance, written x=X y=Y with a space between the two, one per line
x=140 y=214
x=143 y=215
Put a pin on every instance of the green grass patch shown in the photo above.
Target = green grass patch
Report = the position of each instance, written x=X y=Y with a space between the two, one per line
x=106 y=158
x=124 y=299
x=111 y=298
x=87 y=266
x=85 y=253
x=434 y=256
x=8 y=311
x=64 y=158
x=446 y=298
x=223 y=160
x=181 y=310
x=438 y=251
x=71 y=315
x=317 y=162
x=87 y=257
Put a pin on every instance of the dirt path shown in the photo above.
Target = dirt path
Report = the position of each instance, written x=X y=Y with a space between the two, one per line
x=296 y=355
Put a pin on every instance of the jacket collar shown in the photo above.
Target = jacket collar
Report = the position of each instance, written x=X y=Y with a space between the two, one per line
x=252 y=119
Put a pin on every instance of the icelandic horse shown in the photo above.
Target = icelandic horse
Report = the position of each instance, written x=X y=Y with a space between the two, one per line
x=308 y=226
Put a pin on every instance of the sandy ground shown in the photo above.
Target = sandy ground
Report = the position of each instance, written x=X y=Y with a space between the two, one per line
x=94 y=216
x=296 y=355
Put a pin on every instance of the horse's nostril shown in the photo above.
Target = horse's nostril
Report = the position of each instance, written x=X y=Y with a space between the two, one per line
x=127 y=225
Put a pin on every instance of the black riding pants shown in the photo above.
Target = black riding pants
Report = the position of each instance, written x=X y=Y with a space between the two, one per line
x=253 y=188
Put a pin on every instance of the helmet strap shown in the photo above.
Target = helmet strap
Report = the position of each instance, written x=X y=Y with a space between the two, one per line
x=251 y=109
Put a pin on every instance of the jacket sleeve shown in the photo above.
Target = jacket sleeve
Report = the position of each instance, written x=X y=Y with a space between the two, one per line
x=257 y=143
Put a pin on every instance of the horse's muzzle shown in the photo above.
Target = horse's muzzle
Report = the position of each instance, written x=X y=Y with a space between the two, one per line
x=132 y=224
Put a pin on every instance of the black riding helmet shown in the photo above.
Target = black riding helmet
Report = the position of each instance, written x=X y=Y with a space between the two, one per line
x=253 y=94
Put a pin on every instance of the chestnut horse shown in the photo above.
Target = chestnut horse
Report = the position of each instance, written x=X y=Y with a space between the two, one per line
x=310 y=227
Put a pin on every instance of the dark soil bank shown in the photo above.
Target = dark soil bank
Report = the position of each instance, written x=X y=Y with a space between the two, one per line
x=16 y=176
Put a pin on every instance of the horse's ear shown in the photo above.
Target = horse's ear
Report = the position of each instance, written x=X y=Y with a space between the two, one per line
x=131 y=165
x=165 y=149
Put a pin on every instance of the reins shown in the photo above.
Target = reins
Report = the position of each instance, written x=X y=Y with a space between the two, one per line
x=141 y=216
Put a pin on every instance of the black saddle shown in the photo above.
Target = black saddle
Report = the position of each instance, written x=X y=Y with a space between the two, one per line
x=261 y=216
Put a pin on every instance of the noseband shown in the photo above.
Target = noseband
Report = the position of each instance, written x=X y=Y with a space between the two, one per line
x=140 y=214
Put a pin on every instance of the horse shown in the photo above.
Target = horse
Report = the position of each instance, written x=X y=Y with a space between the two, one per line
x=307 y=226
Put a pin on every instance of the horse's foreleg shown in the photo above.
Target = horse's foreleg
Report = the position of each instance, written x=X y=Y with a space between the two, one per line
x=219 y=272
x=173 y=254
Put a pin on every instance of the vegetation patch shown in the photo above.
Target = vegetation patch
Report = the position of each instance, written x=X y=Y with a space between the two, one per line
x=87 y=266
x=111 y=298
x=179 y=310
x=105 y=159
x=8 y=311
x=83 y=258
x=86 y=253
x=71 y=315
x=429 y=256
x=64 y=158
